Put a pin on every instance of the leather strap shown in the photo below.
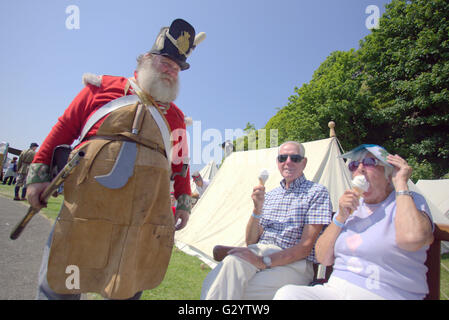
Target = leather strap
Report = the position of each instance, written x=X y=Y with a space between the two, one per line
x=126 y=136
x=157 y=116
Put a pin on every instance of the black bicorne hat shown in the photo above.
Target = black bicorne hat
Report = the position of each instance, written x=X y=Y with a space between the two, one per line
x=177 y=42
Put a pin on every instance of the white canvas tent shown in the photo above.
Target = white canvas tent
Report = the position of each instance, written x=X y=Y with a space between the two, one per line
x=436 y=193
x=207 y=172
x=221 y=214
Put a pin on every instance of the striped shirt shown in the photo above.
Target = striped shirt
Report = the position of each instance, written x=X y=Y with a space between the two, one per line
x=285 y=212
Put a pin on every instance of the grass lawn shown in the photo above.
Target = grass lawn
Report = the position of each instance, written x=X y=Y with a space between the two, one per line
x=183 y=280
x=444 y=280
x=185 y=273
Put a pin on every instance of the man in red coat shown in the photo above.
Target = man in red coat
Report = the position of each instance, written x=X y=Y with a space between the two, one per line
x=114 y=231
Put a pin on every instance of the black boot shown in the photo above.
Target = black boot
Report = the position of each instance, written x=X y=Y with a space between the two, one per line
x=16 y=193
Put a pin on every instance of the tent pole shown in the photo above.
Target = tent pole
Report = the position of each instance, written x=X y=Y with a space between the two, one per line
x=331 y=126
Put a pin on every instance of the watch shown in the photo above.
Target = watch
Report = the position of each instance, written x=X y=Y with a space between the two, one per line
x=404 y=193
x=267 y=261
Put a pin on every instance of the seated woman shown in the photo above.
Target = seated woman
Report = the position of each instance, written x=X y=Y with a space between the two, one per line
x=377 y=244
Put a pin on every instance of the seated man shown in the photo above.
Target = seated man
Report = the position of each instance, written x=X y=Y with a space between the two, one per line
x=280 y=235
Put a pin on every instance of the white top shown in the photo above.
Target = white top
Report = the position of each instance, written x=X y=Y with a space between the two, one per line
x=366 y=253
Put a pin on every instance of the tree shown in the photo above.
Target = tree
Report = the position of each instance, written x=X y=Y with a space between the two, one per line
x=336 y=92
x=248 y=141
x=393 y=91
x=406 y=64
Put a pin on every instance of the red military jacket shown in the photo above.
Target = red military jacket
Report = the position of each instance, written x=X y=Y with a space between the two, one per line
x=91 y=98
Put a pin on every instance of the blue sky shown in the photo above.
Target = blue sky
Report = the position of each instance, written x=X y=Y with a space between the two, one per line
x=255 y=54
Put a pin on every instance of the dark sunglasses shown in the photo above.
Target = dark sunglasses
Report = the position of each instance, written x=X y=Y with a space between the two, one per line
x=367 y=162
x=294 y=157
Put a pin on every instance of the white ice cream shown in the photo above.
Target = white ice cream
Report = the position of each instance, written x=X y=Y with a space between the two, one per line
x=263 y=177
x=360 y=184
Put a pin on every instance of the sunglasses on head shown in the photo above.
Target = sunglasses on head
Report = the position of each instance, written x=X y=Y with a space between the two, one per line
x=367 y=162
x=196 y=178
x=293 y=157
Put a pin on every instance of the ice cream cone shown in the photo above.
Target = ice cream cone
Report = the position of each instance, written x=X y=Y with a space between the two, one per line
x=263 y=177
x=358 y=191
x=360 y=185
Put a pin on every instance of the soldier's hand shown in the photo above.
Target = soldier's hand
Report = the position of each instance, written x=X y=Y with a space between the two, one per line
x=184 y=216
x=34 y=192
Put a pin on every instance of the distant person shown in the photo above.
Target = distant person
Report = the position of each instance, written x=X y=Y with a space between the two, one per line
x=11 y=172
x=378 y=243
x=201 y=184
x=280 y=235
x=228 y=148
x=25 y=159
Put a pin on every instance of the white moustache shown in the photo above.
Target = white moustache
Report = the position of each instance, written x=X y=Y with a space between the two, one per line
x=153 y=82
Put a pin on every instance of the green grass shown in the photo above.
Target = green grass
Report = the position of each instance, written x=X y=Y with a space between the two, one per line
x=185 y=274
x=183 y=280
x=444 y=277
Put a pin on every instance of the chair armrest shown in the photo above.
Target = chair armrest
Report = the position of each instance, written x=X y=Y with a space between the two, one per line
x=441 y=232
x=220 y=252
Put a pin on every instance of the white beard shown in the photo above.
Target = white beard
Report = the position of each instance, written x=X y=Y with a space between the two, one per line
x=151 y=81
